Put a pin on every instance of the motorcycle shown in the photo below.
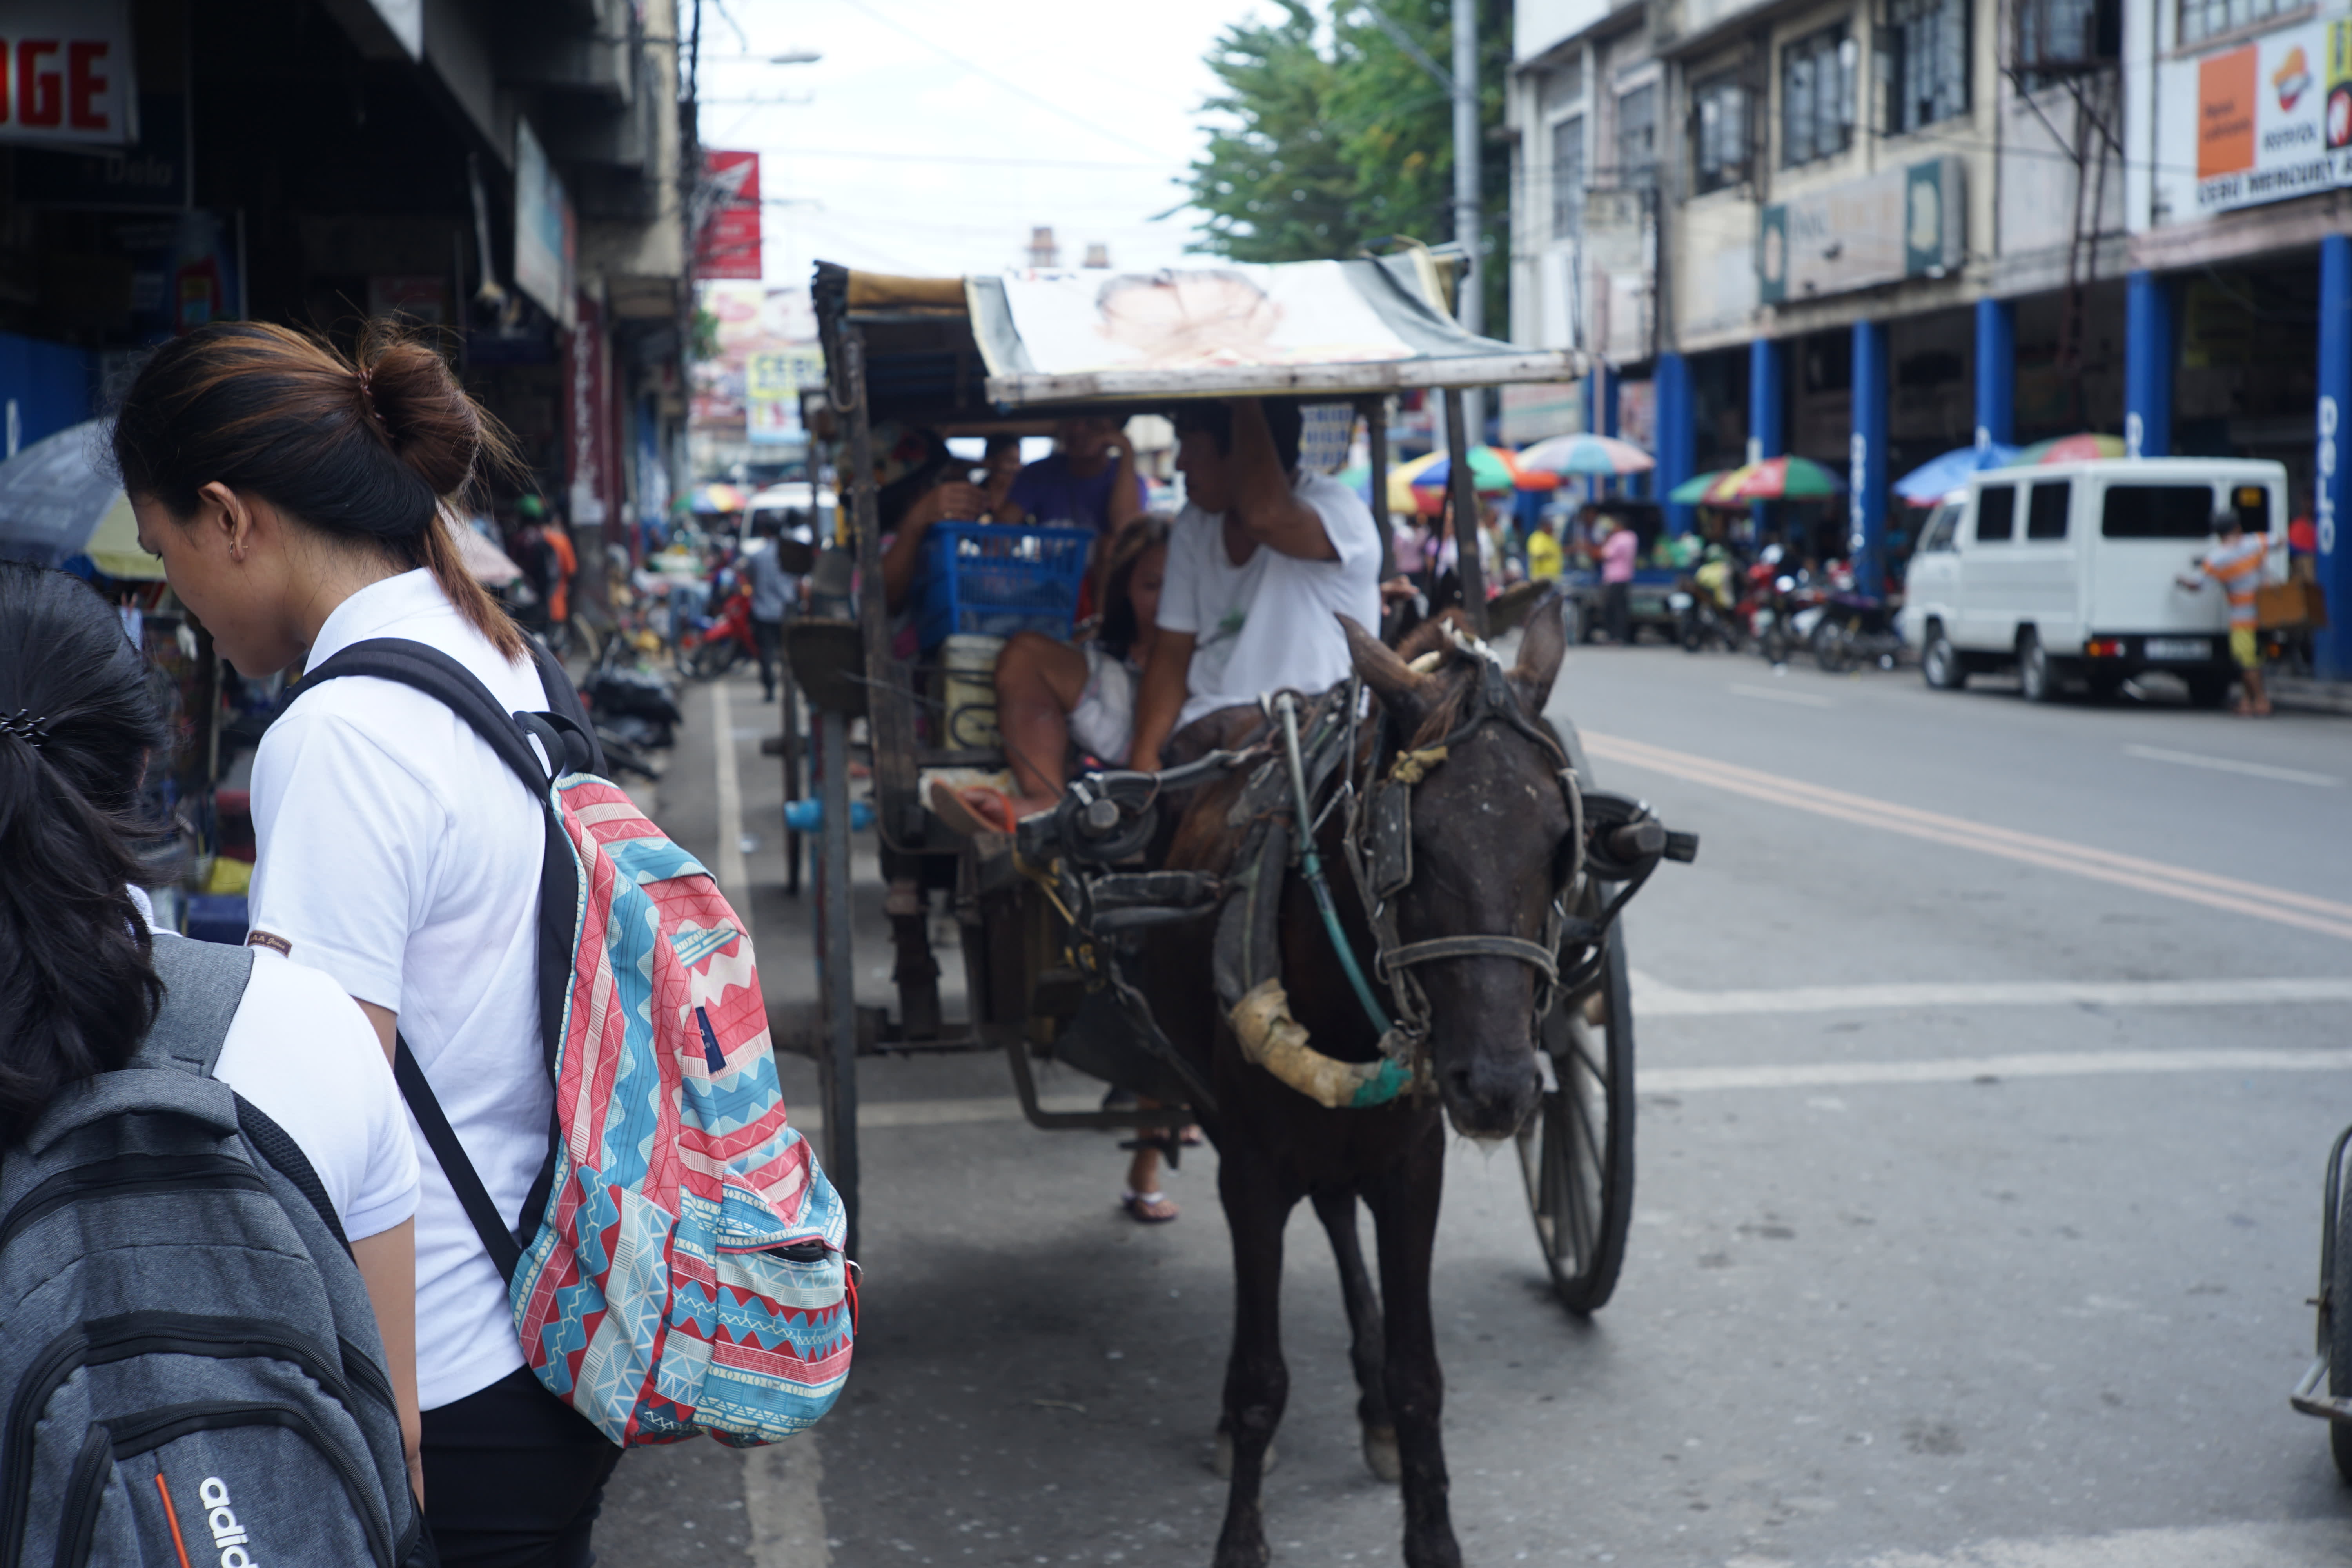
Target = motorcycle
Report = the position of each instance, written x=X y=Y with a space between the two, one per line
x=635 y=710
x=1853 y=628
x=712 y=645
x=1699 y=622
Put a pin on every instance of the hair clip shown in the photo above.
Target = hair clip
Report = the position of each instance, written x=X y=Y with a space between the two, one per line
x=24 y=726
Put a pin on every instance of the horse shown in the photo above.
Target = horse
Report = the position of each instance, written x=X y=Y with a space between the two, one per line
x=1493 y=844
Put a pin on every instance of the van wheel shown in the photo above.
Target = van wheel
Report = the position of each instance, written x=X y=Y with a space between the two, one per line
x=1939 y=661
x=2034 y=676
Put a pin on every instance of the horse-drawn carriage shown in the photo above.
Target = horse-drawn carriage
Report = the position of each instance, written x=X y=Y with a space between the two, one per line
x=973 y=357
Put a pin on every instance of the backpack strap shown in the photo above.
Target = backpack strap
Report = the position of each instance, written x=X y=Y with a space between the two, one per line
x=203 y=983
x=569 y=739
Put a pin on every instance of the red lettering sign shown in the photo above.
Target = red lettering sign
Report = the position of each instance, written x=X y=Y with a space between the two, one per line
x=40 y=100
x=84 y=83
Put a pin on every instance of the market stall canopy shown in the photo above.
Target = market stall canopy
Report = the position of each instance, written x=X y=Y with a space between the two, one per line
x=1323 y=330
x=1936 y=478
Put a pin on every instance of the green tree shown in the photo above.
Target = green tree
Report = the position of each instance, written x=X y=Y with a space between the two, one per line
x=1272 y=183
x=1331 y=135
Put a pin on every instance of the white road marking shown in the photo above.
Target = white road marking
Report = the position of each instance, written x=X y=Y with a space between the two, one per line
x=2317 y=1544
x=1653 y=998
x=1969 y=1069
x=734 y=877
x=1772 y=694
x=2232 y=765
x=781 y=1502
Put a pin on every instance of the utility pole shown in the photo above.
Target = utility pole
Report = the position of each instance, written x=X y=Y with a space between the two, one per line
x=1470 y=293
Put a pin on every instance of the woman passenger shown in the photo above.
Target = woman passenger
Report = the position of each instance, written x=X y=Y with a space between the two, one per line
x=296 y=496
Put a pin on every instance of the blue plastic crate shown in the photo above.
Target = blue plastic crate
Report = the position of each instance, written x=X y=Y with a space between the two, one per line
x=988 y=579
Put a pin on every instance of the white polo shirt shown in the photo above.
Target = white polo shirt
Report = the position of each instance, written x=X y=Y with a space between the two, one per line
x=400 y=856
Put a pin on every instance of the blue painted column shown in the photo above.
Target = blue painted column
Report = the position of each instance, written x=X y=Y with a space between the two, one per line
x=1764 y=427
x=1866 y=459
x=1677 y=436
x=2147 y=367
x=1996 y=374
x=2332 y=650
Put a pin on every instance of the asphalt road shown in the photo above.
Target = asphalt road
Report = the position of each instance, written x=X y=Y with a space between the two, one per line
x=1989 y=1057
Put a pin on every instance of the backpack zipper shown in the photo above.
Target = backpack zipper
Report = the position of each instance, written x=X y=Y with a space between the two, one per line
x=125 y=1176
x=118 y=1339
x=85 y=1491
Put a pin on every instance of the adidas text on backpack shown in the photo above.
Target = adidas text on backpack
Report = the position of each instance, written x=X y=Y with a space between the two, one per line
x=679 y=1265
x=190 y=1366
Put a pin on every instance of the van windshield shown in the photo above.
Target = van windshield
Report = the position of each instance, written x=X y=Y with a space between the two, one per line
x=2175 y=511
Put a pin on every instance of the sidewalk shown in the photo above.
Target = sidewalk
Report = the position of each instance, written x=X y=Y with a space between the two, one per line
x=2311 y=696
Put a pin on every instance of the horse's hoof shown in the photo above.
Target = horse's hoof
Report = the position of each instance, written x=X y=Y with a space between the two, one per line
x=1221 y=1459
x=1381 y=1454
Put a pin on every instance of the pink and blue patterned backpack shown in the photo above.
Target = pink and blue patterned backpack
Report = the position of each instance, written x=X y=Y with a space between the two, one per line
x=679 y=1269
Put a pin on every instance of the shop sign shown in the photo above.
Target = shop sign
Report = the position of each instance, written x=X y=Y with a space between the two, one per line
x=772 y=394
x=545 y=235
x=587 y=420
x=1535 y=410
x=151 y=172
x=65 y=75
x=2273 y=121
x=1896 y=224
x=728 y=245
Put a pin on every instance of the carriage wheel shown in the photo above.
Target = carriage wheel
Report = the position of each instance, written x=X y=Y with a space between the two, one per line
x=1577 y=1151
x=2336 y=1319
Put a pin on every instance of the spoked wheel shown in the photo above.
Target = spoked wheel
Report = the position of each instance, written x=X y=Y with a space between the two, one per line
x=1577 y=1151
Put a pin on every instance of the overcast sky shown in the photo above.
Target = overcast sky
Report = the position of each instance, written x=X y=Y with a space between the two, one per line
x=938 y=132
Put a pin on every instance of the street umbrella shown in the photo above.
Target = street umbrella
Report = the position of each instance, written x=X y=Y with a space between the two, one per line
x=484 y=562
x=1693 y=491
x=2075 y=448
x=1586 y=453
x=1491 y=470
x=1936 y=478
x=1774 y=479
x=57 y=499
x=712 y=498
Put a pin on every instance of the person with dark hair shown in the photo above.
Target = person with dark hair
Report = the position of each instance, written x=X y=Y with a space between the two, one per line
x=1088 y=481
x=775 y=591
x=79 y=987
x=1262 y=562
x=298 y=500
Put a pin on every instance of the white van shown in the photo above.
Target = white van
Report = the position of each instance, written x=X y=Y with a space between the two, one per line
x=2067 y=572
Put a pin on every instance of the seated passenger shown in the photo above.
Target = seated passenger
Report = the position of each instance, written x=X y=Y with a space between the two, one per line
x=1088 y=482
x=1261 y=563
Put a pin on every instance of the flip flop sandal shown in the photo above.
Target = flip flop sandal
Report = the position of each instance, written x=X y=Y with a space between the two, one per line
x=1148 y=1208
x=973 y=811
x=1190 y=1137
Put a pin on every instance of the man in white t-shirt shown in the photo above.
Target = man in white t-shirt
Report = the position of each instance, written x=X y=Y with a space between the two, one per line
x=1261 y=563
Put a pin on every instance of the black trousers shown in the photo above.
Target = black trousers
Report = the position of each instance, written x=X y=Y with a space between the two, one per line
x=513 y=1478
x=768 y=636
x=1617 y=611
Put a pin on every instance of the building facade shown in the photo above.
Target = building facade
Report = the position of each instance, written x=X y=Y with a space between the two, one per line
x=505 y=175
x=1879 y=229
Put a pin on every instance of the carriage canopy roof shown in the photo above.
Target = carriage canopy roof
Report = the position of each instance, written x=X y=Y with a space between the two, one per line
x=1044 y=338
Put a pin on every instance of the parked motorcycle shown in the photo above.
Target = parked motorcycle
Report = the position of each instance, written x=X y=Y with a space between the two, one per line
x=1855 y=629
x=634 y=709
x=712 y=645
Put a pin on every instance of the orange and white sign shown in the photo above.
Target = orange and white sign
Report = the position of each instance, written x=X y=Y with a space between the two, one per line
x=66 y=76
x=2266 y=122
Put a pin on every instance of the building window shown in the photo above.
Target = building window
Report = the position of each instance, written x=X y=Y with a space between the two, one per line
x=1924 y=59
x=1637 y=136
x=1817 y=96
x=2204 y=18
x=1568 y=178
x=2057 y=37
x=1720 y=133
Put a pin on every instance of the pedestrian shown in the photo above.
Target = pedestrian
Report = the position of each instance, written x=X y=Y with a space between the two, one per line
x=1617 y=550
x=297 y=498
x=2236 y=563
x=775 y=595
x=79 y=989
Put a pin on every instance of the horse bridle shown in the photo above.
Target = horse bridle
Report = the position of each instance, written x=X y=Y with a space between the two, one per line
x=1377 y=844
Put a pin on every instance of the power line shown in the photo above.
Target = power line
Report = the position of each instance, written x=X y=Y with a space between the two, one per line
x=796 y=152
x=1012 y=87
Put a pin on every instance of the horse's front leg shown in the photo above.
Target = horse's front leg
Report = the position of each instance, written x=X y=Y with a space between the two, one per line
x=1257 y=1383
x=1366 y=1348
x=1404 y=1200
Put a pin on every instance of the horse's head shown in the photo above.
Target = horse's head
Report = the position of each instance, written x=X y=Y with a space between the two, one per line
x=1491 y=849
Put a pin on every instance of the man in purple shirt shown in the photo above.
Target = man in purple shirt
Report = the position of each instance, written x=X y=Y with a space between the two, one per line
x=1089 y=482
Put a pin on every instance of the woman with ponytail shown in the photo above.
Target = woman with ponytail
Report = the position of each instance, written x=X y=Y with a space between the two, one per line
x=297 y=497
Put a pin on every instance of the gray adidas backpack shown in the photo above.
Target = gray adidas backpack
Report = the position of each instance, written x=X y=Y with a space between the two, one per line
x=191 y=1370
